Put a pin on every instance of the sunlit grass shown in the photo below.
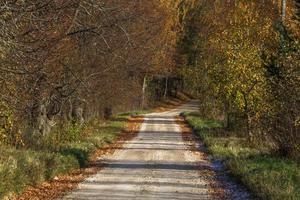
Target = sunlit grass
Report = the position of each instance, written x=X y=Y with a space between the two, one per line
x=269 y=177
x=22 y=168
x=59 y=153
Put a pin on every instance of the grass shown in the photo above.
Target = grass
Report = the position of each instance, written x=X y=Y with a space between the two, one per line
x=60 y=152
x=267 y=176
x=134 y=113
x=22 y=168
x=57 y=154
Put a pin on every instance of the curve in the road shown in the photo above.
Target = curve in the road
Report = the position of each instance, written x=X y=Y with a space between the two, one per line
x=157 y=164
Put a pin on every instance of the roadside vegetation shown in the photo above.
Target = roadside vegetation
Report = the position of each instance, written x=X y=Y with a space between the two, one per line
x=241 y=60
x=67 y=66
x=65 y=150
x=267 y=176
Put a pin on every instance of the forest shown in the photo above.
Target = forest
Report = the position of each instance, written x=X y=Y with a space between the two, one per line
x=67 y=67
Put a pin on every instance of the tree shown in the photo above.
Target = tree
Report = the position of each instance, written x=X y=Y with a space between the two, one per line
x=74 y=58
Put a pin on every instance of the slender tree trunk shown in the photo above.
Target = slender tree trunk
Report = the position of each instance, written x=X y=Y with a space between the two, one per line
x=248 y=119
x=249 y=129
x=166 y=88
x=226 y=117
x=282 y=27
x=283 y=10
x=107 y=112
x=144 y=92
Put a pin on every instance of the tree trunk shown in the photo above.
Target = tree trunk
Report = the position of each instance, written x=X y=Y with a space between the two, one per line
x=107 y=112
x=144 y=92
x=44 y=123
x=249 y=129
x=283 y=10
x=226 y=117
x=78 y=110
x=166 y=88
x=248 y=119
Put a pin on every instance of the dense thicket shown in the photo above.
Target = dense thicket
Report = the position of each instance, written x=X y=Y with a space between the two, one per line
x=241 y=58
x=66 y=60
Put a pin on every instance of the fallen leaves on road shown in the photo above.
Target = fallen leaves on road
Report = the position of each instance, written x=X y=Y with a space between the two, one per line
x=197 y=147
x=60 y=185
x=169 y=105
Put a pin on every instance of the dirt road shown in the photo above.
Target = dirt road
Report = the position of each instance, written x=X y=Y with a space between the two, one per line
x=157 y=164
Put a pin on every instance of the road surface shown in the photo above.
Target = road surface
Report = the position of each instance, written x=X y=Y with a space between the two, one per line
x=157 y=164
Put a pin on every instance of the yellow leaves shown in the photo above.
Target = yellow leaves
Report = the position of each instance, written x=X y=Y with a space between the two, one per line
x=230 y=52
x=241 y=42
x=6 y=122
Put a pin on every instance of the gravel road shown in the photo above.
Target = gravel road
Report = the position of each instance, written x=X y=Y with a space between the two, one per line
x=157 y=164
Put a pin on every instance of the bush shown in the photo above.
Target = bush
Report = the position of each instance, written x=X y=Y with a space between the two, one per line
x=58 y=153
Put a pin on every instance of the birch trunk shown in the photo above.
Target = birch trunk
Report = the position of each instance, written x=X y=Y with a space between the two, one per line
x=144 y=92
x=283 y=10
